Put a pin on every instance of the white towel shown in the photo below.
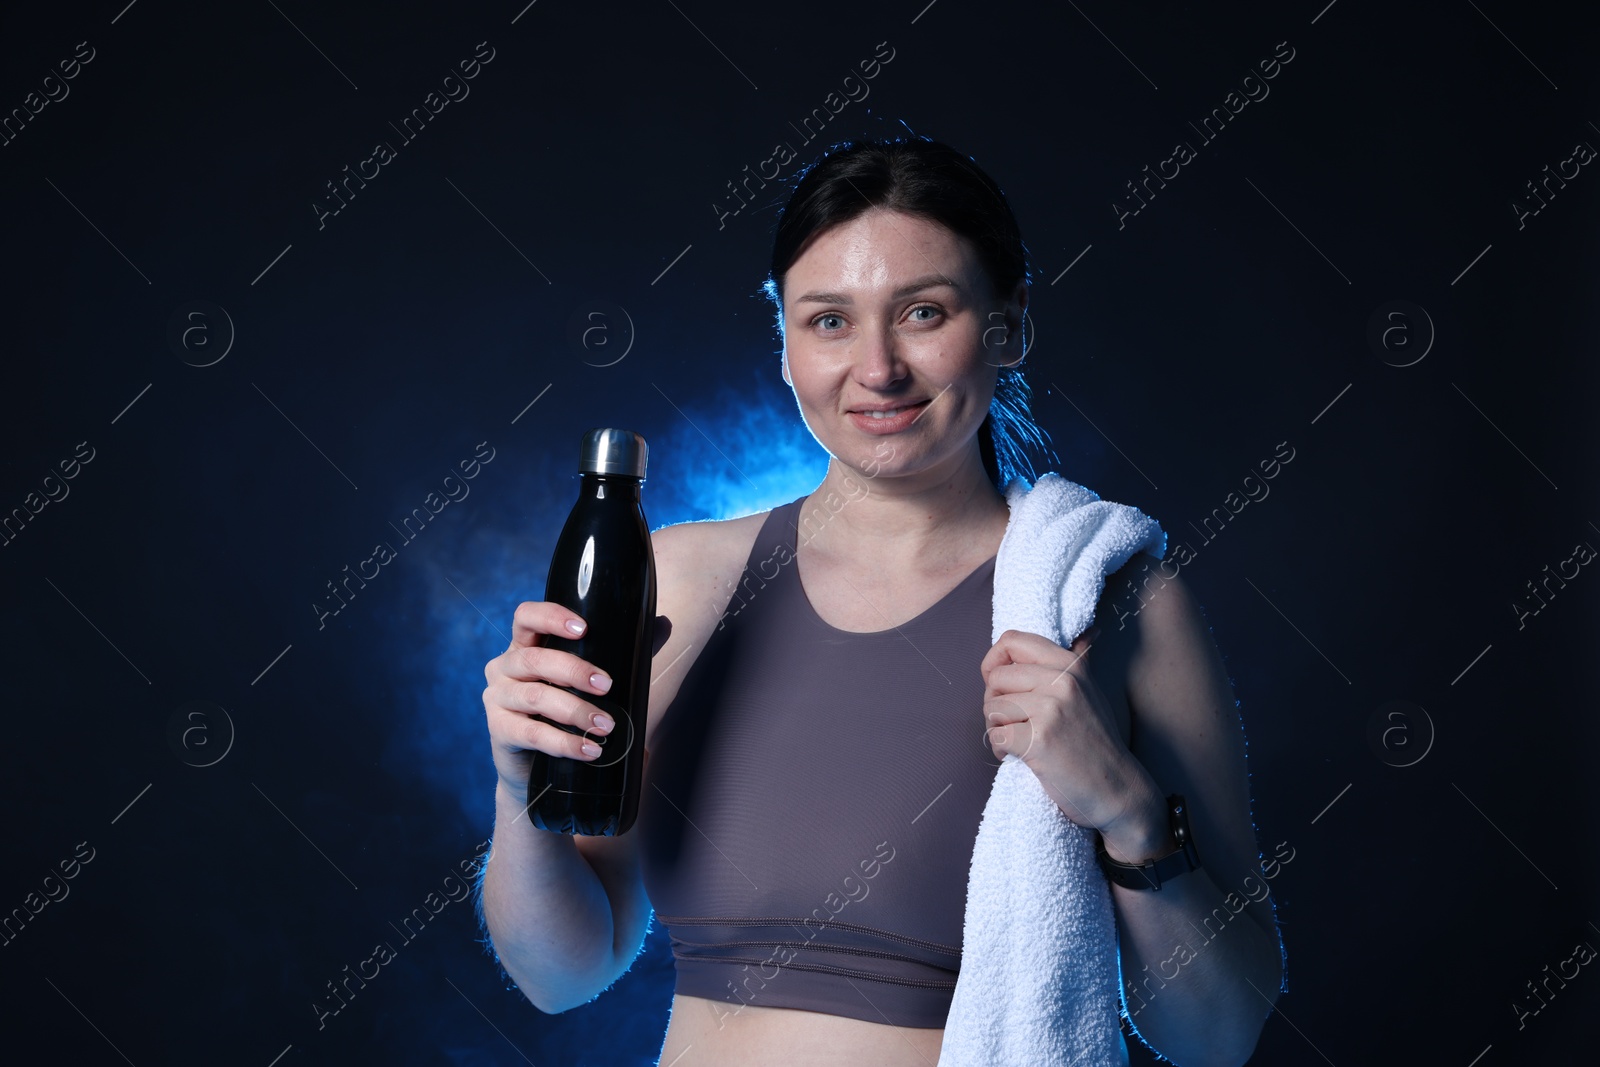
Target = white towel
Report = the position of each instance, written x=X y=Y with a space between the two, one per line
x=1039 y=971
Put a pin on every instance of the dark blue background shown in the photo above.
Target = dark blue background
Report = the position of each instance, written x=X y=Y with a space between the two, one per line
x=378 y=351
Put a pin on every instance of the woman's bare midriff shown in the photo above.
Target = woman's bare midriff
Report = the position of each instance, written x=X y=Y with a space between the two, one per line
x=711 y=1033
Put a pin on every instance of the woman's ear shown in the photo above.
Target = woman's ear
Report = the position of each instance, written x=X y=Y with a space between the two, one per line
x=1006 y=339
x=783 y=363
x=1016 y=315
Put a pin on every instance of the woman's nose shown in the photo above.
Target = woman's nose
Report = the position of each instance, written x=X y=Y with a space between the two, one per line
x=879 y=361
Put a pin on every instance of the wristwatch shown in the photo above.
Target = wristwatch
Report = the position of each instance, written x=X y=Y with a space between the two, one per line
x=1155 y=873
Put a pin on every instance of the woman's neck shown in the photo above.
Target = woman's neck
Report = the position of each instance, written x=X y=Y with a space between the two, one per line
x=893 y=520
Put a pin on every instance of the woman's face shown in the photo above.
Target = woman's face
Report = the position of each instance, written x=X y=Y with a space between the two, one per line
x=893 y=311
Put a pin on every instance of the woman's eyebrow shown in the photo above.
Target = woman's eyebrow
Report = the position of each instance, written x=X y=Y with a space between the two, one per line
x=930 y=282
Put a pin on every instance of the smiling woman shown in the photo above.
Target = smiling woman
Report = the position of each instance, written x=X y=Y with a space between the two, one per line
x=835 y=714
x=921 y=199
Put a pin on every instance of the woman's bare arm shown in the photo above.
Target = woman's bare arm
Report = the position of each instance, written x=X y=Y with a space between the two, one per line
x=546 y=911
x=1202 y=960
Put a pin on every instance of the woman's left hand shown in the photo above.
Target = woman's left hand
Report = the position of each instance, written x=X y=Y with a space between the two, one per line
x=1041 y=704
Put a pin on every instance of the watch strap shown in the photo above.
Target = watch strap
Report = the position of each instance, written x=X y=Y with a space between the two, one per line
x=1153 y=874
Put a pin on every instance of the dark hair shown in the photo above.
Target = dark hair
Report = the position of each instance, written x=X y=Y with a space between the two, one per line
x=923 y=177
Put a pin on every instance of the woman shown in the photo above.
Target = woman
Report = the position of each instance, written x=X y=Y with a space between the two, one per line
x=824 y=668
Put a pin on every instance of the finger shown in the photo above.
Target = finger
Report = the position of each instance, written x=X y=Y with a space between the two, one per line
x=1010 y=738
x=535 y=618
x=533 y=734
x=515 y=732
x=1024 y=647
x=1017 y=678
x=1009 y=678
x=999 y=654
x=537 y=664
x=998 y=711
x=536 y=698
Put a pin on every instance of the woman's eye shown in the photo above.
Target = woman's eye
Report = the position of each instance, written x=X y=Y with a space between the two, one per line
x=925 y=307
x=824 y=320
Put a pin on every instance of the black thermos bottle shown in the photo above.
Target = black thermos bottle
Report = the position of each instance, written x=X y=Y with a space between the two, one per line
x=604 y=570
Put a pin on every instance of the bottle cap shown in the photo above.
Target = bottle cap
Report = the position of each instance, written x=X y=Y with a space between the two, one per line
x=613 y=451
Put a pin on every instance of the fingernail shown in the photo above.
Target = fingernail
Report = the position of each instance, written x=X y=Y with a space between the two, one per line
x=600 y=682
x=602 y=721
x=575 y=626
x=591 y=749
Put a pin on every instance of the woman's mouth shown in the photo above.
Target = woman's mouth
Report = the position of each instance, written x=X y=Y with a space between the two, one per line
x=892 y=421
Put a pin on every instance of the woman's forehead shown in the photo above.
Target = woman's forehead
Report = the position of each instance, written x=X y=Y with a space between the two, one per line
x=878 y=252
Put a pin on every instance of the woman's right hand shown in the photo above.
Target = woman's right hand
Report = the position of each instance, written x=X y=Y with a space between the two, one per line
x=522 y=681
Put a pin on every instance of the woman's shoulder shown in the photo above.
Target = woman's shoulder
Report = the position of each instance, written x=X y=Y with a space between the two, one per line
x=706 y=550
x=698 y=567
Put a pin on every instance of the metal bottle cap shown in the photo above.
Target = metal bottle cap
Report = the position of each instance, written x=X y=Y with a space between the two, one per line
x=613 y=451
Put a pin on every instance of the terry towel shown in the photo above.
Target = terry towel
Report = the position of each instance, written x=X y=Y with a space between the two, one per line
x=1038 y=985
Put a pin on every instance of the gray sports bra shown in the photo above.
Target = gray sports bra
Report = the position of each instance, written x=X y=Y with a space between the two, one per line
x=813 y=797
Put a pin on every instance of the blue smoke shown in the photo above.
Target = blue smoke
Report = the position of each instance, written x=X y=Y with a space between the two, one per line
x=745 y=450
